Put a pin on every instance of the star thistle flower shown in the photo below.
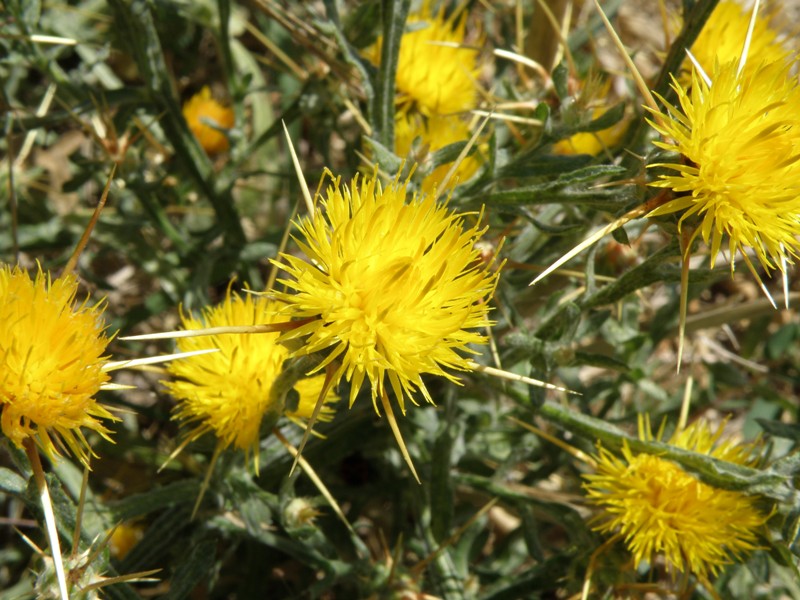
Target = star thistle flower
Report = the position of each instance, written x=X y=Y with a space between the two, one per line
x=232 y=391
x=434 y=133
x=200 y=110
x=392 y=286
x=51 y=363
x=722 y=39
x=658 y=508
x=435 y=73
x=740 y=174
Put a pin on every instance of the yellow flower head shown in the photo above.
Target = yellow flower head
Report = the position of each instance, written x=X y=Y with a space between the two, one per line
x=740 y=175
x=658 y=508
x=722 y=40
x=231 y=391
x=200 y=110
x=308 y=390
x=435 y=74
x=51 y=363
x=124 y=538
x=393 y=287
x=435 y=133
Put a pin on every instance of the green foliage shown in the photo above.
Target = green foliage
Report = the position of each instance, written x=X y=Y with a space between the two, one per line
x=500 y=513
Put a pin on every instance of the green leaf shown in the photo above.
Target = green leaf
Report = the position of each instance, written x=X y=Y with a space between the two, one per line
x=27 y=13
x=783 y=339
x=383 y=156
x=448 y=154
x=588 y=174
x=165 y=532
x=167 y=496
x=790 y=531
x=254 y=505
x=530 y=531
x=394 y=14
x=193 y=570
x=539 y=165
x=361 y=23
x=599 y=360
x=608 y=119
x=542 y=112
x=560 y=77
x=651 y=270
x=562 y=324
x=537 y=577
x=788 y=465
x=562 y=230
x=621 y=236
x=441 y=486
x=11 y=483
x=789 y=431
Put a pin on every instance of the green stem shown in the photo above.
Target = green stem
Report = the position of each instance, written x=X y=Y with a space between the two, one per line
x=693 y=22
x=49 y=516
x=394 y=21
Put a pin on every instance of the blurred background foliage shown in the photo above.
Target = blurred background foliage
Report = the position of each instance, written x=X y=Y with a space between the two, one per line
x=500 y=513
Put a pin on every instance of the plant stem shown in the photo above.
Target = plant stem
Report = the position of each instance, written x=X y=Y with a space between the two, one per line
x=49 y=516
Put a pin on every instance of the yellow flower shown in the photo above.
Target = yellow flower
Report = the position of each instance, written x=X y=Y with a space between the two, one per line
x=435 y=75
x=391 y=286
x=434 y=133
x=722 y=40
x=51 y=363
x=658 y=508
x=592 y=142
x=740 y=173
x=308 y=392
x=200 y=110
x=231 y=392
x=124 y=538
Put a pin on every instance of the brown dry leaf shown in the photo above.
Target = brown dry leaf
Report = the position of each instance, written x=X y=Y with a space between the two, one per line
x=55 y=160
